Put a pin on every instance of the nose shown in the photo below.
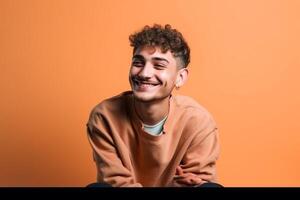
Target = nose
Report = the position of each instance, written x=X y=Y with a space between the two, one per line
x=146 y=71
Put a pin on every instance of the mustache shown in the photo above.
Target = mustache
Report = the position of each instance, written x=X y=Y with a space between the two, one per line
x=138 y=78
x=142 y=79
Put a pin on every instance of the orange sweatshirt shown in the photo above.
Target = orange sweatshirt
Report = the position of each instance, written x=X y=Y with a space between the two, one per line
x=126 y=155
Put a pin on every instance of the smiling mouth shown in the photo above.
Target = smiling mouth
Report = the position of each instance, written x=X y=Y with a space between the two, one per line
x=142 y=85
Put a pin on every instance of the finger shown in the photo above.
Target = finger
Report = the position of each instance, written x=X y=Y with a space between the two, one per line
x=186 y=182
x=196 y=181
x=183 y=176
x=189 y=180
x=176 y=184
x=179 y=171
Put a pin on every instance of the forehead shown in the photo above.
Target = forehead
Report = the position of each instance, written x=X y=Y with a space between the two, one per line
x=153 y=51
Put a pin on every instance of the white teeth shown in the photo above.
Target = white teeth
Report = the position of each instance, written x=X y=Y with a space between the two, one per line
x=141 y=83
x=147 y=84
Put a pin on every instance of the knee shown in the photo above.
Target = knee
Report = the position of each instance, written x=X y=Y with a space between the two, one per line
x=211 y=185
x=97 y=185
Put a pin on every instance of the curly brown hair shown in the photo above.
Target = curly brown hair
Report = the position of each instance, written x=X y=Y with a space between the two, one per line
x=164 y=37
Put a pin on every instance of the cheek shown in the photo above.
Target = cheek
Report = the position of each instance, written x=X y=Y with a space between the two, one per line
x=163 y=75
x=133 y=71
x=166 y=77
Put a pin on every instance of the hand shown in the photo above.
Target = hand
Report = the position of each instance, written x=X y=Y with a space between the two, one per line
x=182 y=179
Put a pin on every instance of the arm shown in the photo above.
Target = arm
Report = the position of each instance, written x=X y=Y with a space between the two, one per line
x=110 y=167
x=199 y=162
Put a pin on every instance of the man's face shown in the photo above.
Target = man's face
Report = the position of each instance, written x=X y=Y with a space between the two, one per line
x=152 y=74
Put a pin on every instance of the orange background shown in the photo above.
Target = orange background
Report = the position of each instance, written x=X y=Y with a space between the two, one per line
x=59 y=58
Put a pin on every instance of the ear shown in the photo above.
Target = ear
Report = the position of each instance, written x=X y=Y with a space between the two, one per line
x=182 y=76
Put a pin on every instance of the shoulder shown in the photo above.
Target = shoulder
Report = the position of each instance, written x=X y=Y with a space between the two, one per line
x=186 y=101
x=115 y=105
x=188 y=104
x=196 y=115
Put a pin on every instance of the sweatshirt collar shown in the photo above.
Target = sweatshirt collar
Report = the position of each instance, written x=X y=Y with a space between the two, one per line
x=139 y=123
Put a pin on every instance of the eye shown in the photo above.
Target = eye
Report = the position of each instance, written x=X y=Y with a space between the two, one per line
x=138 y=63
x=159 y=66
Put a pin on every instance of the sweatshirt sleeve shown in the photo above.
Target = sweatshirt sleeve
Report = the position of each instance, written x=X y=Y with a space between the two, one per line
x=110 y=168
x=200 y=159
x=203 y=152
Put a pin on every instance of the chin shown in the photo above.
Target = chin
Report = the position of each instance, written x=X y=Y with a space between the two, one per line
x=143 y=97
x=147 y=98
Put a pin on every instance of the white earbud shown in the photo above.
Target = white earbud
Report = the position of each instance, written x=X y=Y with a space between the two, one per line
x=176 y=85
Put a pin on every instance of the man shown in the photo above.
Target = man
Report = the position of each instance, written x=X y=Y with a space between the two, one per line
x=147 y=137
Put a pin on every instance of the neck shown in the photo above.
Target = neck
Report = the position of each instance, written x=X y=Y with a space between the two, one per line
x=152 y=112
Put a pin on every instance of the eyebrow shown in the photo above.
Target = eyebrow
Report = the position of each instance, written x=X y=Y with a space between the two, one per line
x=138 y=57
x=154 y=58
x=160 y=59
